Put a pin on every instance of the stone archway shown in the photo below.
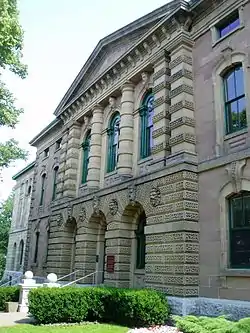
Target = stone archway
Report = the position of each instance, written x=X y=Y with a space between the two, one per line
x=135 y=218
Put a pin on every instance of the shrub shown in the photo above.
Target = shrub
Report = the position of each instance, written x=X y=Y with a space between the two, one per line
x=8 y=294
x=122 y=306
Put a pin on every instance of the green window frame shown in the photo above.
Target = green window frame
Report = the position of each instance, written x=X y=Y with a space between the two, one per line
x=113 y=142
x=85 y=157
x=234 y=100
x=55 y=182
x=146 y=128
x=239 y=221
x=141 y=242
x=42 y=189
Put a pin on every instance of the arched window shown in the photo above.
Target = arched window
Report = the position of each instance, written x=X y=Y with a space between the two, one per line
x=21 y=250
x=140 y=242
x=235 y=102
x=146 y=130
x=55 y=182
x=36 y=247
x=239 y=218
x=42 y=189
x=85 y=154
x=113 y=141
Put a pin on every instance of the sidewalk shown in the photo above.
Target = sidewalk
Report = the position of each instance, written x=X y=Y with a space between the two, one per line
x=13 y=318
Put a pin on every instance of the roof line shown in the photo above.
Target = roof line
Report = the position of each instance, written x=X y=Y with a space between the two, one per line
x=44 y=131
x=112 y=37
x=25 y=169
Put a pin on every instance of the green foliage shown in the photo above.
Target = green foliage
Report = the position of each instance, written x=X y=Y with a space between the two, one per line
x=192 y=324
x=8 y=294
x=11 y=44
x=5 y=222
x=122 y=306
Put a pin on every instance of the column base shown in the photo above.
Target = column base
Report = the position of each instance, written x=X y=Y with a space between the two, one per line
x=212 y=307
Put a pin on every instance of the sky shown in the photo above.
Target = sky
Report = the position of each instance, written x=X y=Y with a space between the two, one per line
x=59 y=36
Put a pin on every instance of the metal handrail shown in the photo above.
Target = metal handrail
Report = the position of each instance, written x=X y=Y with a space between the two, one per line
x=68 y=275
x=83 y=277
x=11 y=281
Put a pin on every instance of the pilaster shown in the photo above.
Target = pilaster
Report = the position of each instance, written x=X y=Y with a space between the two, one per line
x=182 y=125
x=71 y=163
x=94 y=167
x=61 y=171
x=125 y=161
x=161 y=86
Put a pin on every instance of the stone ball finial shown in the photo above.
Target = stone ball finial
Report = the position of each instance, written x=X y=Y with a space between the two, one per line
x=28 y=275
x=52 y=278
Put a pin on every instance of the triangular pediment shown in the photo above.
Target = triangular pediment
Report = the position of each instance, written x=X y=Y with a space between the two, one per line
x=113 y=47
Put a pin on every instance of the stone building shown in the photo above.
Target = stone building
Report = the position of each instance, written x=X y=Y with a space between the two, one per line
x=19 y=225
x=144 y=175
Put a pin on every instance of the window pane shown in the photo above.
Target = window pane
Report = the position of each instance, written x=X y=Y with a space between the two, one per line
x=151 y=137
x=231 y=25
x=242 y=112
x=232 y=114
x=230 y=87
x=240 y=248
x=239 y=81
x=246 y=206
x=237 y=216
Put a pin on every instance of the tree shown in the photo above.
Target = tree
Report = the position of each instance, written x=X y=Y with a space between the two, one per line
x=11 y=44
x=6 y=208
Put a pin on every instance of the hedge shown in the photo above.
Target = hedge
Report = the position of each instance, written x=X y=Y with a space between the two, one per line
x=192 y=324
x=141 y=307
x=8 y=294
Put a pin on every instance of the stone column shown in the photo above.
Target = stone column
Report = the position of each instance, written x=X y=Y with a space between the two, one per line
x=161 y=86
x=94 y=168
x=61 y=171
x=71 y=165
x=182 y=123
x=125 y=160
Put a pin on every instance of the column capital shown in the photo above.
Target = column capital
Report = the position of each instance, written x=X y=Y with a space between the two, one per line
x=97 y=107
x=128 y=85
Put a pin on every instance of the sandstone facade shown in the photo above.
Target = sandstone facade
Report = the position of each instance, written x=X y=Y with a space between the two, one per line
x=145 y=155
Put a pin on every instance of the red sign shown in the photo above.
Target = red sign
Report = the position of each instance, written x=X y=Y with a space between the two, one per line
x=110 y=264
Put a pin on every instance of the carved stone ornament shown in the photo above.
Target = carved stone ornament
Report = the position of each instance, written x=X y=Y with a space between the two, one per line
x=155 y=196
x=113 y=207
x=96 y=204
x=145 y=78
x=59 y=220
x=112 y=102
x=82 y=214
x=132 y=195
x=235 y=173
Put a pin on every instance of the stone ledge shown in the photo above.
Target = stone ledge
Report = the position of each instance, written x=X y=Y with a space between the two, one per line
x=212 y=307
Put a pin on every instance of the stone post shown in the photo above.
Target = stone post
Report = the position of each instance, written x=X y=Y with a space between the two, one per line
x=27 y=284
x=71 y=165
x=182 y=123
x=94 y=168
x=161 y=86
x=125 y=159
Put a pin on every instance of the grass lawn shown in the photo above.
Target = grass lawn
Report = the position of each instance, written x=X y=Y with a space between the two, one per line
x=88 y=328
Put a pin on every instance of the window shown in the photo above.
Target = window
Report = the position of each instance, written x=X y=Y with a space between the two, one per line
x=36 y=247
x=140 y=242
x=239 y=214
x=85 y=153
x=229 y=24
x=21 y=249
x=113 y=142
x=29 y=190
x=46 y=153
x=55 y=182
x=146 y=114
x=58 y=144
x=42 y=189
x=235 y=102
